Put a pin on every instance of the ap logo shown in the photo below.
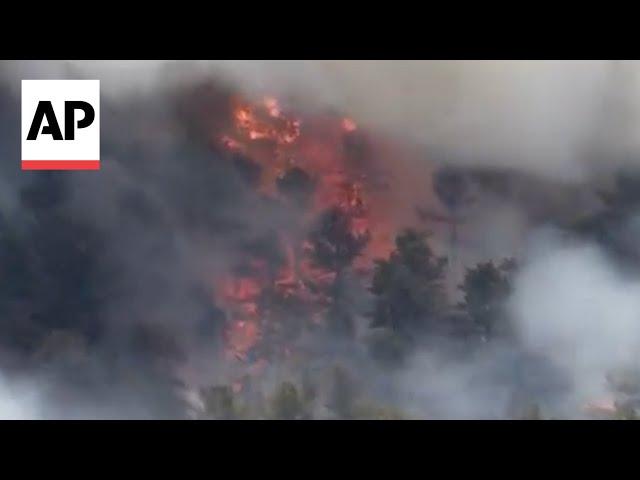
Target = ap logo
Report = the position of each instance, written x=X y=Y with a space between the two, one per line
x=61 y=124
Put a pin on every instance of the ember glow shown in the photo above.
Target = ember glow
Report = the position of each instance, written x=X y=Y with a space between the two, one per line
x=314 y=163
x=293 y=240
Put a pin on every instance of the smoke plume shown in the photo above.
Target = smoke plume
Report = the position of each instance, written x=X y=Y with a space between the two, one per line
x=116 y=308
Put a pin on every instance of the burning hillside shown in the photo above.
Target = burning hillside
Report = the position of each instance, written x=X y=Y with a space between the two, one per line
x=277 y=254
x=318 y=167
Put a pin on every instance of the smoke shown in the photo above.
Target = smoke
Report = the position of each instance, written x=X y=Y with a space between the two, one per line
x=167 y=218
x=496 y=382
x=576 y=315
x=558 y=119
x=19 y=400
x=574 y=307
x=577 y=322
x=543 y=117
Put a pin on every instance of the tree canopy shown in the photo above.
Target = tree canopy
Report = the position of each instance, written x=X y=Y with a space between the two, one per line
x=408 y=287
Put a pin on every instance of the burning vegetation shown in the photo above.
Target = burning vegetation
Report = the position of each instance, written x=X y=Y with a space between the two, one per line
x=281 y=263
x=316 y=168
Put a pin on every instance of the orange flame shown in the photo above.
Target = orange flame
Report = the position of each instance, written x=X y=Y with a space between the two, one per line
x=275 y=141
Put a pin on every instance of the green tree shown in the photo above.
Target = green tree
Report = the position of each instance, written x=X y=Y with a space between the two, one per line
x=335 y=245
x=340 y=319
x=620 y=204
x=486 y=287
x=408 y=287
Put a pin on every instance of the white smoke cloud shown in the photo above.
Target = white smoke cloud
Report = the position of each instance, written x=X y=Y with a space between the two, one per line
x=543 y=117
x=572 y=306
x=19 y=400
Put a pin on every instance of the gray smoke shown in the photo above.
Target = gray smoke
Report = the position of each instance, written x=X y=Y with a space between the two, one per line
x=557 y=127
x=545 y=117
x=573 y=306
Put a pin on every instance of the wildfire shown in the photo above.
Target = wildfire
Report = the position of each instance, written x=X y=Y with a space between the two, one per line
x=265 y=121
x=266 y=134
x=240 y=296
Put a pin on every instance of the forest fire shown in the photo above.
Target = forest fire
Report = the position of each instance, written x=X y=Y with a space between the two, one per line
x=240 y=296
x=378 y=240
x=319 y=166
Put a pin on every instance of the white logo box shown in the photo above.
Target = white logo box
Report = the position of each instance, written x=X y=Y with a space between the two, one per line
x=46 y=153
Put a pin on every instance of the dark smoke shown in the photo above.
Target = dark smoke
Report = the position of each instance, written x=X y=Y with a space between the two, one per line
x=107 y=277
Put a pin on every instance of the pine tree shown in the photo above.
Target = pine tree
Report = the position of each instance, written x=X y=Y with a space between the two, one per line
x=408 y=287
x=486 y=287
x=335 y=244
